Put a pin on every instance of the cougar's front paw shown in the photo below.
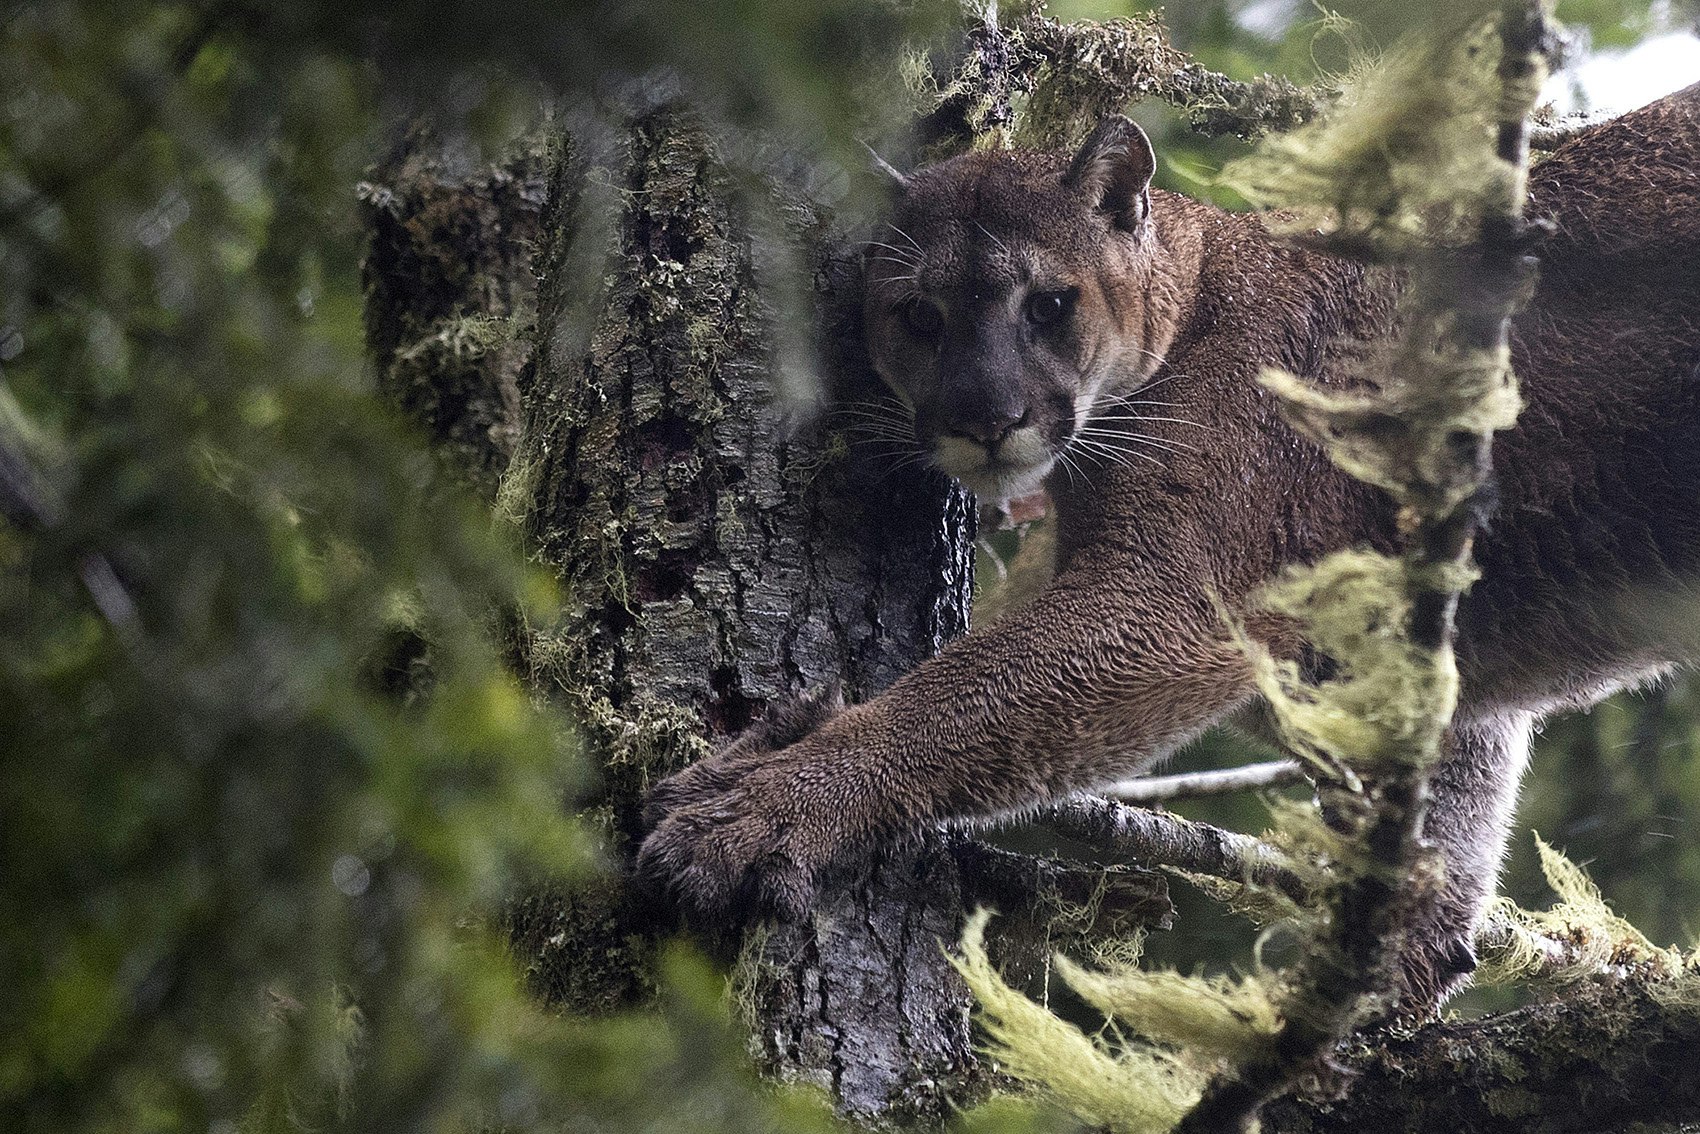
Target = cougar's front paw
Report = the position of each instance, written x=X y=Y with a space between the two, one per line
x=736 y=832
x=733 y=851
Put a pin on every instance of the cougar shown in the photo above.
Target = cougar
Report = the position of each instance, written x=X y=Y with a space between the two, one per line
x=1052 y=319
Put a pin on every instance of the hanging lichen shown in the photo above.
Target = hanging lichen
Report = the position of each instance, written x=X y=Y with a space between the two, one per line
x=1399 y=163
x=1579 y=938
x=1141 y=1089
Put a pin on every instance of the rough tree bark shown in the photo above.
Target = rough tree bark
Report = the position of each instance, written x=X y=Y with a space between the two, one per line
x=449 y=296
x=1612 y=1055
x=717 y=563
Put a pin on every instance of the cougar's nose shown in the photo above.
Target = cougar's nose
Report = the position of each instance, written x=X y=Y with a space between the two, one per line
x=990 y=429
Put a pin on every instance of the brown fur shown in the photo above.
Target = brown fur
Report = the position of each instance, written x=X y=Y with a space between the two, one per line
x=1123 y=657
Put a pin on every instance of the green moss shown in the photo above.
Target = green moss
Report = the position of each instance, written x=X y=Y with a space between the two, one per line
x=1578 y=939
x=1091 y=70
x=1390 y=699
x=516 y=493
x=1228 y=1018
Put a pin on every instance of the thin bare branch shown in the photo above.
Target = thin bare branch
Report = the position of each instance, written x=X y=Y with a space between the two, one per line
x=1218 y=781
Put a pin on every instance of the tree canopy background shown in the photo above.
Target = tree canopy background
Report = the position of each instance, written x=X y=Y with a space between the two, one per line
x=255 y=830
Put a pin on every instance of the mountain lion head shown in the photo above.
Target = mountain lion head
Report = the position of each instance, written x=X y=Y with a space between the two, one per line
x=1011 y=296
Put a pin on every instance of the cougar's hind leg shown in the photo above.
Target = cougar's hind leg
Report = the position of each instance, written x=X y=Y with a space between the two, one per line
x=1472 y=797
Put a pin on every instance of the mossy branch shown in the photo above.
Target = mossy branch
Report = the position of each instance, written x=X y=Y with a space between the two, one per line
x=1157 y=837
x=1538 y=1070
x=1041 y=81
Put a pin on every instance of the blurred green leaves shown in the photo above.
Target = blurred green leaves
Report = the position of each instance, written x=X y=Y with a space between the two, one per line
x=264 y=780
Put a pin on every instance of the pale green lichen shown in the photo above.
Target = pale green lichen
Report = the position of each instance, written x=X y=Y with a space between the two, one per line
x=647 y=734
x=1090 y=70
x=1577 y=939
x=1142 y=1089
x=1404 y=160
x=1389 y=700
x=460 y=337
x=1210 y=1018
x=516 y=492
x=1430 y=390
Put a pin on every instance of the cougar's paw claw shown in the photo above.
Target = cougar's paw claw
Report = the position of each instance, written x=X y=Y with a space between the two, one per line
x=722 y=857
x=748 y=830
x=787 y=723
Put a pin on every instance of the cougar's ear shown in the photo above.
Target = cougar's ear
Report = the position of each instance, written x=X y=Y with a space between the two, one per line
x=897 y=180
x=1113 y=171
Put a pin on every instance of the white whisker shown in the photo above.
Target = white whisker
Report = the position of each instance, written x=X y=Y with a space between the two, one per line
x=1108 y=452
x=1142 y=418
x=1070 y=467
x=902 y=255
x=906 y=236
x=1106 y=436
x=992 y=237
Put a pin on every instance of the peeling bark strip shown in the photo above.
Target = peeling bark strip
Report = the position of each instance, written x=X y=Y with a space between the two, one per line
x=449 y=296
x=716 y=563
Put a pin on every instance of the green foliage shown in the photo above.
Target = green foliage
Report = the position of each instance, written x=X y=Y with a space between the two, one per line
x=264 y=780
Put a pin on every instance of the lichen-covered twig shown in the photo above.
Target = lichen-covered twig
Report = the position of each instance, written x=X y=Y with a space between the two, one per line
x=1217 y=781
x=1446 y=390
x=1047 y=82
x=1012 y=883
x=1158 y=838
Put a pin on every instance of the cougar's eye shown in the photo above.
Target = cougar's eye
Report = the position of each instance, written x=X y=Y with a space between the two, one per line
x=922 y=318
x=1047 y=307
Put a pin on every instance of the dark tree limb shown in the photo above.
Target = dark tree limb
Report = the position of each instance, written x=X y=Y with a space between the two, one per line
x=1074 y=73
x=1611 y=1056
x=1088 y=899
x=1157 y=838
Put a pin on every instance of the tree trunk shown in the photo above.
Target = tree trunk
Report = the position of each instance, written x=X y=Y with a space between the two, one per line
x=449 y=296
x=717 y=561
